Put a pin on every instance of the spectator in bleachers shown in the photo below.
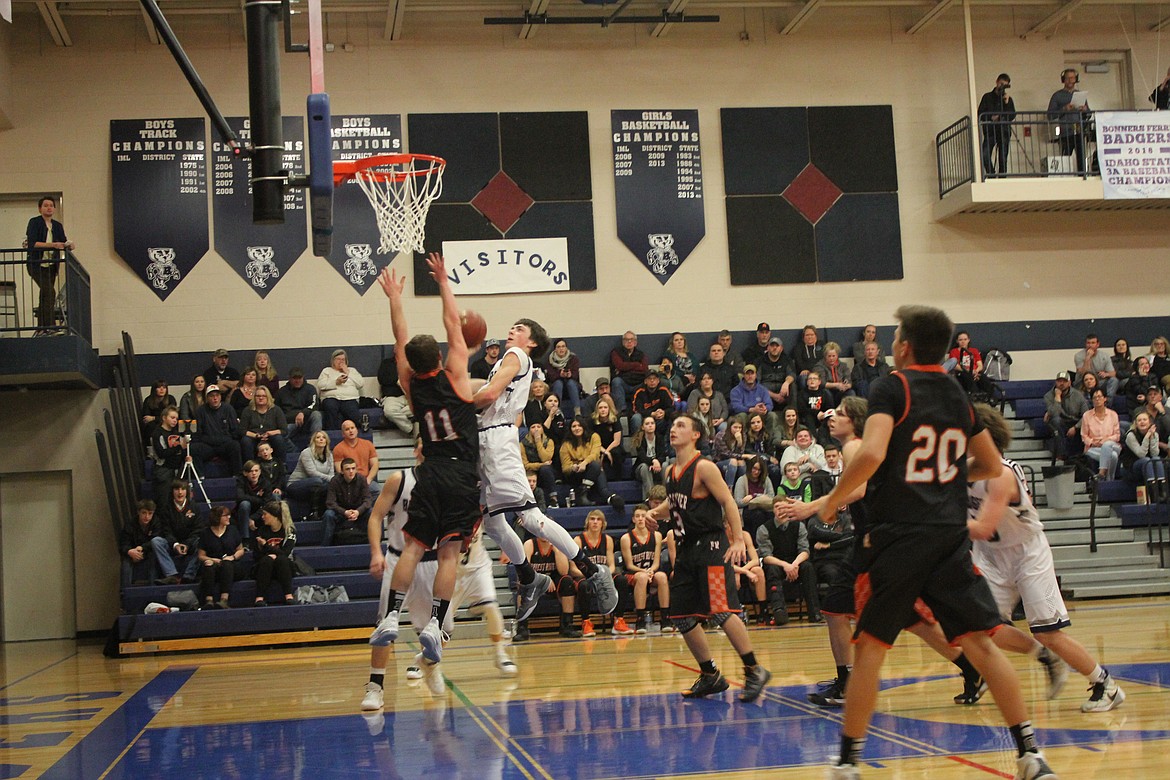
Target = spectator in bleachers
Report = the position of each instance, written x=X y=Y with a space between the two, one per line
x=1135 y=386
x=686 y=365
x=266 y=372
x=1160 y=360
x=835 y=374
x=1122 y=361
x=483 y=366
x=1091 y=360
x=627 y=369
x=170 y=453
x=347 y=506
x=395 y=410
x=598 y=547
x=794 y=484
x=556 y=427
x=754 y=353
x=652 y=400
x=534 y=410
x=1065 y=406
x=580 y=455
x=183 y=523
x=753 y=491
x=730 y=356
x=145 y=551
x=263 y=423
x=808 y=353
x=672 y=382
x=706 y=389
x=564 y=375
x=546 y=559
x=642 y=561
x=242 y=396
x=537 y=452
x=806 y=452
x=777 y=373
x=966 y=363
x=600 y=389
x=786 y=433
x=750 y=397
x=812 y=402
x=538 y=494
x=702 y=413
x=729 y=452
x=363 y=452
x=274 y=542
x=339 y=387
x=761 y=443
x=274 y=470
x=868 y=336
x=783 y=547
x=253 y=491
x=867 y=369
x=192 y=399
x=1156 y=410
x=152 y=407
x=823 y=480
x=298 y=400
x=310 y=479
x=217 y=433
x=650 y=447
x=220 y=551
x=220 y=374
x=1101 y=433
x=1089 y=383
x=1140 y=457
x=604 y=423
x=723 y=373
x=751 y=582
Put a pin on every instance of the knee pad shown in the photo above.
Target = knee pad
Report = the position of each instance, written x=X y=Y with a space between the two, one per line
x=566 y=587
x=684 y=624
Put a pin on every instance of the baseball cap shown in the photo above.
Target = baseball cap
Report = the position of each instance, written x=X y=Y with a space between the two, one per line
x=654 y=370
x=1154 y=387
x=1062 y=375
x=491 y=343
x=749 y=367
x=221 y=352
x=763 y=326
x=601 y=382
x=212 y=389
x=775 y=340
x=296 y=372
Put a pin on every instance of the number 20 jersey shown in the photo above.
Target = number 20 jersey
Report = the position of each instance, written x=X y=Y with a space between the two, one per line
x=923 y=480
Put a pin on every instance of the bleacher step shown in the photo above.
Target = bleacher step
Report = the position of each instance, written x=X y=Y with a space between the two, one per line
x=1125 y=550
x=1121 y=589
x=1133 y=575
x=1109 y=535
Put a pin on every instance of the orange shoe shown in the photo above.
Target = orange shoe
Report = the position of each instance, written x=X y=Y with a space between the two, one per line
x=587 y=628
x=620 y=626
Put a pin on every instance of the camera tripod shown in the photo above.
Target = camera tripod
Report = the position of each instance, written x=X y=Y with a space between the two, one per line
x=189 y=466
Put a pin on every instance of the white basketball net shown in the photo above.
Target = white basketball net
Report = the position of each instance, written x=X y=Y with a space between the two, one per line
x=401 y=194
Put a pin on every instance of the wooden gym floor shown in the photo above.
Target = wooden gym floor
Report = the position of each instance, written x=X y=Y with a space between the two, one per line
x=601 y=708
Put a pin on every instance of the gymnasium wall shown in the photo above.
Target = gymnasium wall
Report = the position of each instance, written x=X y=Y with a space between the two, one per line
x=982 y=269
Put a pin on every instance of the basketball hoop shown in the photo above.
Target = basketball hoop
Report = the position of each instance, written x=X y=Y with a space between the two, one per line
x=401 y=188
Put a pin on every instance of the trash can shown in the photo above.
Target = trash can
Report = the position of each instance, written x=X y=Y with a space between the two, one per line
x=1059 y=482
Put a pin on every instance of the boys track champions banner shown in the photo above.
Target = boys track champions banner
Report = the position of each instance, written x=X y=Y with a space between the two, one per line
x=1133 y=148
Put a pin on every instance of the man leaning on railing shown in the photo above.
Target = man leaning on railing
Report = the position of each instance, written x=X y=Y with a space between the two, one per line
x=996 y=112
x=44 y=237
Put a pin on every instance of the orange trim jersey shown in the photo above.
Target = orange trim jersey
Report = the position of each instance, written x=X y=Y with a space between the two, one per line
x=692 y=517
x=447 y=423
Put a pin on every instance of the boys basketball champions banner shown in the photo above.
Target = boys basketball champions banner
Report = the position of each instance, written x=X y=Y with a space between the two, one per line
x=159 y=175
x=1133 y=149
x=260 y=254
x=355 y=230
x=658 y=183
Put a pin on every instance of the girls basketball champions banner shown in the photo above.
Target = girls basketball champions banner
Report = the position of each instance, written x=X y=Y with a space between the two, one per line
x=159 y=174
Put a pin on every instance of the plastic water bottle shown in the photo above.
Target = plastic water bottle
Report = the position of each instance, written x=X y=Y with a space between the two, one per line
x=572 y=498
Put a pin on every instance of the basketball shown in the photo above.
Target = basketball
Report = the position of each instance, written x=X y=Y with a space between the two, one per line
x=474 y=328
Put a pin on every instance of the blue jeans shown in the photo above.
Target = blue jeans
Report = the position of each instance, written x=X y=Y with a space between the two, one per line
x=1148 y=469
x=569 y=392
x=312 y=424
x=337 y=411
x=1106 y=456
x=620 y=390
x=156 y=562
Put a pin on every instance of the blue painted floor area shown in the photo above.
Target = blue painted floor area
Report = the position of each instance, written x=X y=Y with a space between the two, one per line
x=625 y=736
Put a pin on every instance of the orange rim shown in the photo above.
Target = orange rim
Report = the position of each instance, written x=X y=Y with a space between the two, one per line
x=347 y=169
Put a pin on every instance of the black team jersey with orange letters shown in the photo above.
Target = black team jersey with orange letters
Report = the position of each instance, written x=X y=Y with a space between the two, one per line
x=446 y=422
x=692 y=517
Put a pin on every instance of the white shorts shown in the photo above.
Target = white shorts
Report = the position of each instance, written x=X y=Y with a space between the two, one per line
x=1023 y=572
x=503 y=481
x=474 y=588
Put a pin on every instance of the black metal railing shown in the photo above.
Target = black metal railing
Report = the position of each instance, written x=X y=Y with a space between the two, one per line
x=47 y=296
x=956 y=164
x=1036 y=143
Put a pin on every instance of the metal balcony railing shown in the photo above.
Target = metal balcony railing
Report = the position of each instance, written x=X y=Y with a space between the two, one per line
x=48 y=296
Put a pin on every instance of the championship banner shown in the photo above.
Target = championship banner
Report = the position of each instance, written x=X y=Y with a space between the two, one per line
x=658 y=178
x=160 y=197
x=260 y=254
x=1133 y=150
x=355 y=229
x=507 y=266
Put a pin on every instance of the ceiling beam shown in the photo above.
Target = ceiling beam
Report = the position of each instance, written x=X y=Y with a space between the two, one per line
x=662 y=28
x=55 y=23
x=151 y=32
x=535 y=8
x=1055 y=19
x=801 y=17
x=931 y=16
x=1159 y=26
x=395 y=11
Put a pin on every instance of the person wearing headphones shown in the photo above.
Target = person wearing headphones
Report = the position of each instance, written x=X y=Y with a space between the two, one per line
x=1070 y=117
x=996 y=112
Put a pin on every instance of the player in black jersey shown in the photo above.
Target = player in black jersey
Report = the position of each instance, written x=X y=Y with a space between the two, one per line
x=444 y=508
x=704 y=517
x=922 y=444
x=642 y=558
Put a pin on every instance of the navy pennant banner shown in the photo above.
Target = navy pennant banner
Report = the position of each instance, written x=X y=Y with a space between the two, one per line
x=160 y=197
x=260 y=254
x=355 y=229
x=658 y=178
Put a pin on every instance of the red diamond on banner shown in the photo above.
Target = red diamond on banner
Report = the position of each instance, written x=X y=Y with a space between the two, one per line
x=812 y=193
x=502 y=202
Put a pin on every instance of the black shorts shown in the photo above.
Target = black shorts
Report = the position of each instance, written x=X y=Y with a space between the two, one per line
x=444 y=503
x=840 y=576
x=703 y=584
x=928 y=561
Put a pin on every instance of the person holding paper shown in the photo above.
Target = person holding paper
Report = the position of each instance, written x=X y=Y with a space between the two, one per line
x=1069 y=108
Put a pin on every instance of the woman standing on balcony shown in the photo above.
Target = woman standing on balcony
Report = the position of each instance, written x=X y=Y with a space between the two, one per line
x=44 y=235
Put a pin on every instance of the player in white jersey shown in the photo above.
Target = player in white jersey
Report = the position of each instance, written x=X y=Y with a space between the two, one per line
x=504 y=483
x=1012 y=552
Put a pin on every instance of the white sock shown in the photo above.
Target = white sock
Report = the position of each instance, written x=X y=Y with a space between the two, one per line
x=378 y=671
x=539 y=524
x=1097 y=675
x=497 y=527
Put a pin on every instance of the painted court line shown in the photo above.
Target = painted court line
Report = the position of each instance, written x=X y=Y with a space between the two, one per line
x=38 y=671
x=479 y=715
x=981 y=767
